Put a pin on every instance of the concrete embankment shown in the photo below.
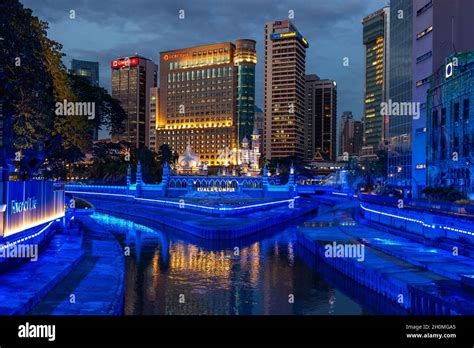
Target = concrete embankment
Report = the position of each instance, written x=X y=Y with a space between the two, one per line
x=96 y=285
x=205 y=226
x=21 y=288
x=420 y=278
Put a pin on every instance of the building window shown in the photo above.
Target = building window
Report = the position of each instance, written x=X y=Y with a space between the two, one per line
x=465 y=109
x=424 y=8
x=424 y=32
x=420 y=83
x=456 y=112
x=424 y=57
x=465 y=145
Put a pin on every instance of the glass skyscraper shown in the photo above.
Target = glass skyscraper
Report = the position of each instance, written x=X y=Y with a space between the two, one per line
x=375 y=40
x=245 y=57
x=400 y=91
x=89 y=70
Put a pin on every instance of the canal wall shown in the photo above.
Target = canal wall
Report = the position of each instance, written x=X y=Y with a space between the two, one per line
x=204 y=226
x=426 y=225
x=97 y=282
x=414 y=288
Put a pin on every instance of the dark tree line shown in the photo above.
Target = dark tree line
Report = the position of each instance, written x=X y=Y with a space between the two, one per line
x=32 y=80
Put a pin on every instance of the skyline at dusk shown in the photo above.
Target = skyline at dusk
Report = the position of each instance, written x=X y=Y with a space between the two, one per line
x=111 y=30
x=253 y=168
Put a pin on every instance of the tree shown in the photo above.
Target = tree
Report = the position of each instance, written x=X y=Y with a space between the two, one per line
x=109 y=114
x=165 y=155
x=34 y=80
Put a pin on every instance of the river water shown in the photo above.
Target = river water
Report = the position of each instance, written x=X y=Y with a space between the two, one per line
x=169 y=272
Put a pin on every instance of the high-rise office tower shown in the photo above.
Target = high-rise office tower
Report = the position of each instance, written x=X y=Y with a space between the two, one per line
x=132 y=79
x=440 y=28
x=284 y=91
x=358 y=137
x=351 y=135
x=346 y=133
x=154 y=109
x=245 y=58
x=376 y=38
x=207 y=99
x=400 y=91
x=320 y=118
x=258 y=122
x=87 y=69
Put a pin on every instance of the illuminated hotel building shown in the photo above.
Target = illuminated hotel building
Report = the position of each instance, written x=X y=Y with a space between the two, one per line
x=207 y=99
x=284 y=97
x=154 y=109
x=375 y=40
x=132 y=78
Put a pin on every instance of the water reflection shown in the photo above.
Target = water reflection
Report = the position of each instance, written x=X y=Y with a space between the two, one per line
x=170 y=273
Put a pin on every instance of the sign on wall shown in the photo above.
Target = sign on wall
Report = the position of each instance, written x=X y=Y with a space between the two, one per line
x=29 y=204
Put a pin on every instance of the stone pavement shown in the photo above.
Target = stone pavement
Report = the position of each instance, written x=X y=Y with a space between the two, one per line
x=97 y=283
x=24 y=286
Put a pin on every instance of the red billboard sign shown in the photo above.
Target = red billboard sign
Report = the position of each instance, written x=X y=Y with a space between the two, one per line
x=127 y=62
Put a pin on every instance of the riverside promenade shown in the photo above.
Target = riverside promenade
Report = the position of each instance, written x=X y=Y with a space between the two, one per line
x=96 y=285
x=23 y=287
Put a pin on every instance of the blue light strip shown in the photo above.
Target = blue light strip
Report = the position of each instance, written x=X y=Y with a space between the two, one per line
x=419 y=221
x=3 y=246
x=179 y=204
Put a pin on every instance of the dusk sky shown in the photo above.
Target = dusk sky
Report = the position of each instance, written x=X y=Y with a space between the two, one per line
x=105 y=30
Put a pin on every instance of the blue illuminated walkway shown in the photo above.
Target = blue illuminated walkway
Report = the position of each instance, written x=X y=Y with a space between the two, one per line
x=24 y=286
x=97 y=283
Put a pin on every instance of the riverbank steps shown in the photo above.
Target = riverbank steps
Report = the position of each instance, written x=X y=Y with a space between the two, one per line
x=385 y=270
x=96 y=285
x=23 y=287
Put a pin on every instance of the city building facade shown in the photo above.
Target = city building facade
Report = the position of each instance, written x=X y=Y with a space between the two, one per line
x=320 y=118
x=284 y=91
x=376 y=38
x=245 y=59
x=450 y=124
x=207 y=99
x=154 y=109
x=132 y=79
x=439 y=29
x=351 y=135
x=87 y=69
x=400 y=91
x=259 y=120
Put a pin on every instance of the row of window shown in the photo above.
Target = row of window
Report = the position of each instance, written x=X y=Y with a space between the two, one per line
x=455 y=113
x=200 y=74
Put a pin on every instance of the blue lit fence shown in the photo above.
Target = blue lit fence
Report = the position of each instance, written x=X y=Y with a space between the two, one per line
x=426 y=224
